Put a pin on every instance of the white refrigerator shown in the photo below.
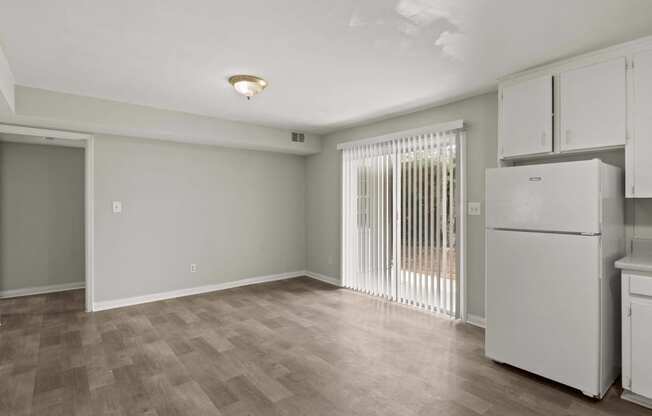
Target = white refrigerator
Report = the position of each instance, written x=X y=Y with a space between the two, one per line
x=553 y=233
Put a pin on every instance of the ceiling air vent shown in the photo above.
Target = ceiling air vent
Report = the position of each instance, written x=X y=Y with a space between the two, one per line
x=298 y=137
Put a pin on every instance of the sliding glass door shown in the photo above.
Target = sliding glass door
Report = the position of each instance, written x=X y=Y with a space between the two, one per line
x=370 y=247
x=400 y=227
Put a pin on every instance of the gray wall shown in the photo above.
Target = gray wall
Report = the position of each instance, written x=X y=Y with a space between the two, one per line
x=235 y=213
x=41 y=215
x=323 y=184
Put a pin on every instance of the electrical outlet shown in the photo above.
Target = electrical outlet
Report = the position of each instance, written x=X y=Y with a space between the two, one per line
x=474 y=208
x=117 y=207
x=193 y=268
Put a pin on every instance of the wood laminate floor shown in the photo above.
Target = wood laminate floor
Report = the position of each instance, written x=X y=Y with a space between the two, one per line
x=296 y=347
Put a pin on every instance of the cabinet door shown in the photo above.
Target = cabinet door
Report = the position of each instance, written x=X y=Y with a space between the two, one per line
x=641 y=347
x=594 y=106
x=526 y=118
x=639 y=148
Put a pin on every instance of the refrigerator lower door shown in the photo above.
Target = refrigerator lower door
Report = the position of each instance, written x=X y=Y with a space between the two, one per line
x=543 y=305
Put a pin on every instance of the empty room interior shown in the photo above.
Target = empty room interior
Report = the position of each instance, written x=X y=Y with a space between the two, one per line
x=349 y=207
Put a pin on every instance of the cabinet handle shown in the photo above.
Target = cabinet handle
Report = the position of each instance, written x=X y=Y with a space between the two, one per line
x=543 y=138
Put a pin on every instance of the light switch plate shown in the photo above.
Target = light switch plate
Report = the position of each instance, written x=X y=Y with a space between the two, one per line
x=474 y=208
x=117 y=207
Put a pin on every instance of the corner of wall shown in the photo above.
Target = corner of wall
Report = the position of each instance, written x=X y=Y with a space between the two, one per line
x=305 y=210
x=7 y=82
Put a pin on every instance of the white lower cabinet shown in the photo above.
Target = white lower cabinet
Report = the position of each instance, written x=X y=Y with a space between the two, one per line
x=637 y=337
x=641 y=336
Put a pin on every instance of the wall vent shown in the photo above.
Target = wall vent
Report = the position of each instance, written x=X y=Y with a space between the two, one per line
x=298 y=137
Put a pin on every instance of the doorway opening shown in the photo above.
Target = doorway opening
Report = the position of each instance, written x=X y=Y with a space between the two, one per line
x=46 y=227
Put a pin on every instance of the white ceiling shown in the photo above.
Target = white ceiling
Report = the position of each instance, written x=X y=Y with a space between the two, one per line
x=330 y=63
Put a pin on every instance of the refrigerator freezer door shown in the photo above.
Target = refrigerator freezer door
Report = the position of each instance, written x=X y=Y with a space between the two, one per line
x=543 y=305
x=562 y=197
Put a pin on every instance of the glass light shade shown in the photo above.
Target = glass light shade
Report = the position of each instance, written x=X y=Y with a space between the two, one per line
x=248 y=85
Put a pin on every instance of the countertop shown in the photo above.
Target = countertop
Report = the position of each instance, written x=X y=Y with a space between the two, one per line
x=641 y=258
x=640 y=263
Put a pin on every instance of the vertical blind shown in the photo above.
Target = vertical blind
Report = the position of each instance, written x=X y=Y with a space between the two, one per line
x=399 y=230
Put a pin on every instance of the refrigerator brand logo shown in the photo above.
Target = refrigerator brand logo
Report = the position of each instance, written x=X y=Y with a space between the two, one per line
x=535 y=178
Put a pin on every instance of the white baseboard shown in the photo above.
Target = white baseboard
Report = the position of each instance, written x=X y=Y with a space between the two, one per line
x=476 y=320
x=322 y=277
x=636 y=398
x=117 y=303
x=38 y=290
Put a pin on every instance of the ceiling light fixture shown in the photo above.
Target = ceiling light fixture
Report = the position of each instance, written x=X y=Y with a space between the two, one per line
x=248 y=85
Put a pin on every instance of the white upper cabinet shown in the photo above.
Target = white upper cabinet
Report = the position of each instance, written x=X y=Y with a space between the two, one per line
x=526 y=117
x=588 y=103
x=593 y=106
x=639 y=148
